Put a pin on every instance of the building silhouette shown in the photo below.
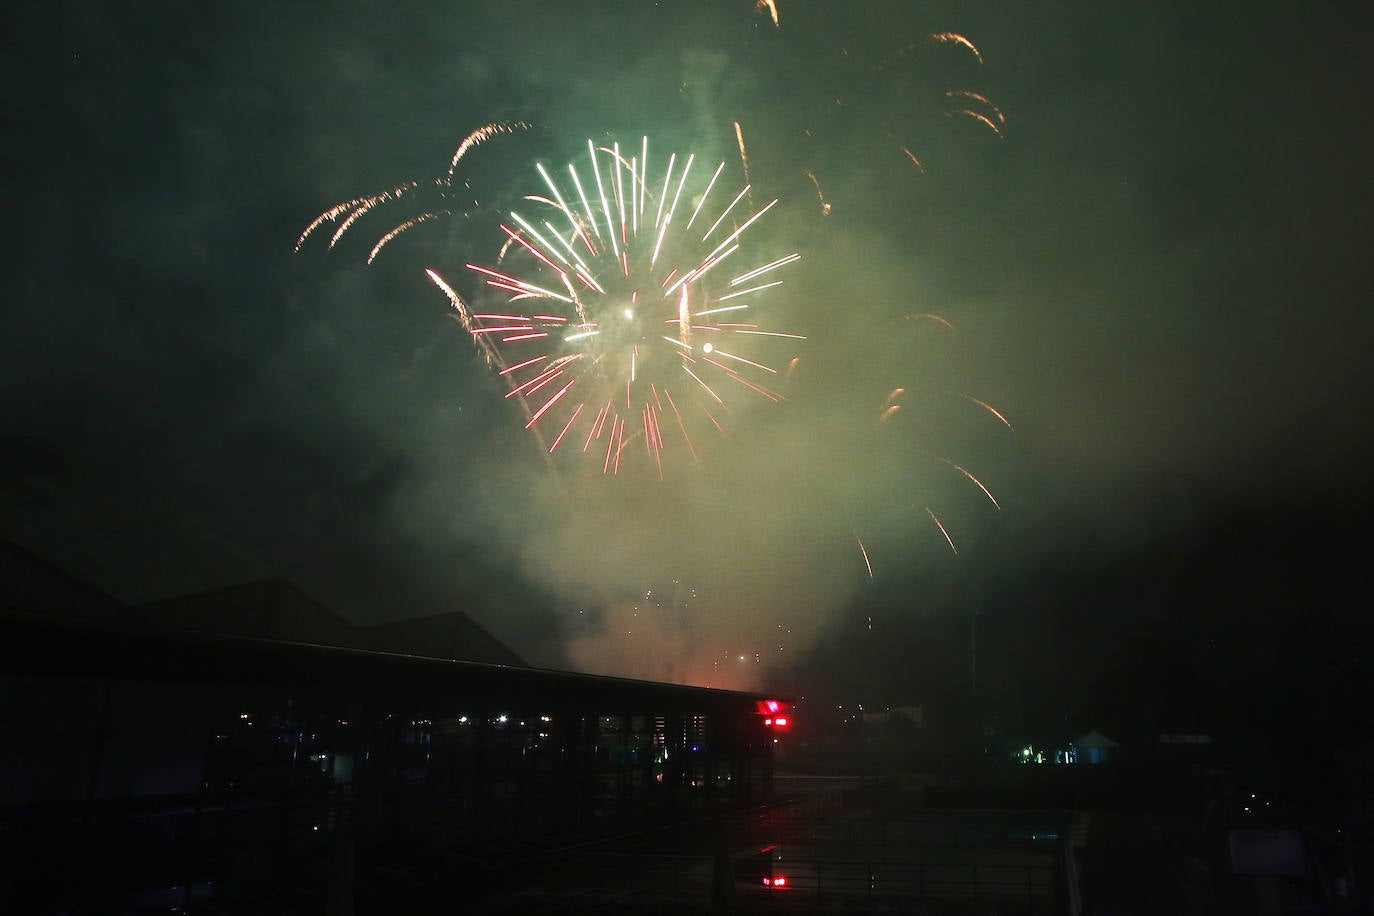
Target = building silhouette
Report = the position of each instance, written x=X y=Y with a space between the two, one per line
x=249 y=750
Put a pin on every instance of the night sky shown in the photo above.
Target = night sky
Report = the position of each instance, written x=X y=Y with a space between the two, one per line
x=1155 y=270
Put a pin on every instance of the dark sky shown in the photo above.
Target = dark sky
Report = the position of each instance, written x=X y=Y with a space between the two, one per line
x=1155 y=272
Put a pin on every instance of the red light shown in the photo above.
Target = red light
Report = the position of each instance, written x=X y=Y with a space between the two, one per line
x=779 y=881
x=773 y=713
x=767 y=882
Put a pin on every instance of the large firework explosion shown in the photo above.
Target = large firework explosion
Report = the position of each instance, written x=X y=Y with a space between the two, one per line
x=630 y=300
x=632 y=306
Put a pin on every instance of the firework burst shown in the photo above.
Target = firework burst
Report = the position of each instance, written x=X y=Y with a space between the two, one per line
x=631 y=306
x=942 y=489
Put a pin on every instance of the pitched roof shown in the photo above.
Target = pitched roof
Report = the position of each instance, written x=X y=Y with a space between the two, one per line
x=30 y=583
x=273 y=609
x=277 y=609
x=451 y=635
x=268 y=609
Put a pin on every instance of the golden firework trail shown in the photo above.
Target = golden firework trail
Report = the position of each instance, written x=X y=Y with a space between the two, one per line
x=930 y=316
x=382 y=242
x=980 y=117
x=354 y=209
x=820 y=195
x=914 y=161
x=868 y=564
x=616 y=316
x=990 y=409
x=358 y=207
x=743 y=157
x=772 y=7
x=890 y=405
x=455 y=300
x=333 y=213
x=977 y=482
x=971 y=96
x=481 y=135
x=958 y=39
x=991 y=116
x=939 y=524
x=490 y=354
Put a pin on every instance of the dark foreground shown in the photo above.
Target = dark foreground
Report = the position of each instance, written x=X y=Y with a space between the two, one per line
x=829 y=845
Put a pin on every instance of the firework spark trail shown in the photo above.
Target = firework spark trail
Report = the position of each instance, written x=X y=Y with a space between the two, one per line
x=459 y=306
x=890 y=406
x=481 y=135
x=970 y=95
x=992 y=121
x=914 y=161
x=772 y=7
x=616 y=337
x=355 y=209
x=990 y=409
x=681 y=425
x=957 y=39
x=825 y=204
x=868 y=564
x=329 y=215
x=490 y=353
x=939 y=524
x=382 y=242
x=371 y=203
x=978 y=115
x=743 y=158
x=930 y=316
x=986 y=492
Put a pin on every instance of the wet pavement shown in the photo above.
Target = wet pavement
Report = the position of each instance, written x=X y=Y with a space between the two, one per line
x=826 y=849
